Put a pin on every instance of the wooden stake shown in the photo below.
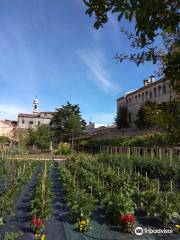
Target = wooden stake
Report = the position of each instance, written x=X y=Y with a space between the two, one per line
x=146 y=177
x=171 y=186
x=158 y=185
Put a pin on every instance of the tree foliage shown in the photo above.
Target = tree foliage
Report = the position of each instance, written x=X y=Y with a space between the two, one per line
x=143 y=119
x=67 y=122
x=21 y=136
x=41 y=136
x=121 y=118
x=172 y=66
x=154 y=21
x=4 y=140
x=167 y=116
x=149 y=16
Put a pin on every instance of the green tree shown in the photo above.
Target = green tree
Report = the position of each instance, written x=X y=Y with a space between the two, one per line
x=67 y=123
x=152 y=22
x=41 y=136
x=4 y=140
x=167 y=116
x=144 y=119
x=21 y=136
x=172 y=66
x=121 y=118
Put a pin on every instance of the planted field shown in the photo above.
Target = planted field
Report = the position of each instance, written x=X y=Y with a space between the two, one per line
x=89 y=197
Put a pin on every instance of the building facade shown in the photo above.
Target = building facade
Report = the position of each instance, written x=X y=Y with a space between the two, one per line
x=154 y=91
x=34 y=119
x=7 y=128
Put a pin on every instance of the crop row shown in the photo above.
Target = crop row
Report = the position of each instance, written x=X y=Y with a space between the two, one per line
x=8 y=196
x=123 y=193
x=167 y=174
x=80 y=203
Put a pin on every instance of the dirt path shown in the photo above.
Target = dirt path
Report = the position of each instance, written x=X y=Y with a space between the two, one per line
x=55 y=226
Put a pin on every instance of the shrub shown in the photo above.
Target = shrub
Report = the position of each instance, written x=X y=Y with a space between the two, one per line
x=64 y=148
x=117 y=205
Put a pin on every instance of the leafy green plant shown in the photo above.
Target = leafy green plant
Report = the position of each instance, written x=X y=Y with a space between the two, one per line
x=168 y=207
x=80 y=203
x=116 y=205
x=17 y=175
x=64 y=149
x=42 y=196
x=12 y=235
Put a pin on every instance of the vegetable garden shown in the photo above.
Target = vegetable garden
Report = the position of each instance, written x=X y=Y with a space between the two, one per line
x=100 y=196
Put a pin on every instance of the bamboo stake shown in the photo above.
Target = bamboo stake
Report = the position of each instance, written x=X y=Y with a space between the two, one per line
x=146 y=177
x=158 y=185
x=171 y=186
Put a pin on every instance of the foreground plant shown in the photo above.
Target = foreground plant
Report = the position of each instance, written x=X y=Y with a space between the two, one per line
x=39 y=237
x=37 y=225
x=42 y=196
x=177 y=228
x=80 y=203
x=19 y=174
x=1 y=221
x=128 y=223
x=12 y=235
x=84 y=224
x=41 y=204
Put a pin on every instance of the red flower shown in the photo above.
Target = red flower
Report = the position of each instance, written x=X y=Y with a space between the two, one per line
x=128 y=218
x=39 y=223
x=34 y=219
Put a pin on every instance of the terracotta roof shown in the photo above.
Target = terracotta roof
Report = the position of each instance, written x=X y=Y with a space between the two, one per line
x=48 y=112
x=34 y=115
x=28 y=115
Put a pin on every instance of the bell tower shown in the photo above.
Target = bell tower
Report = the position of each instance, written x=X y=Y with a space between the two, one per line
x=35 y=103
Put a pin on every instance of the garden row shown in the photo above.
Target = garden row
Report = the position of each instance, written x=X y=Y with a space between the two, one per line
x=16 y=173
x=41 y=202
x=121 y=193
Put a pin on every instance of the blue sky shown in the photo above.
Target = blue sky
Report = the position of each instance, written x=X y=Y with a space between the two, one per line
x=50 y=49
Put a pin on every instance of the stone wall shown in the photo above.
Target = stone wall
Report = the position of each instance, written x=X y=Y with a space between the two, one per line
x=118 y=133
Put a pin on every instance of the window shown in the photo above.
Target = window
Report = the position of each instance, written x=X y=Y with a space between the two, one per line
x=23 y=121
x=146 y=95
x=164 y=88
x=159 y=90
x=31 y=122
x=39 y=123
x=150 y=95
x=139 y=98
x=142 y=97
x=155 y=93
x=136 y=99
x=45 y=114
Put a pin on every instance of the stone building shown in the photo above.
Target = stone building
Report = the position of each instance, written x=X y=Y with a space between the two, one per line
x=7 y=128
x=34 y=119
x=153 y=90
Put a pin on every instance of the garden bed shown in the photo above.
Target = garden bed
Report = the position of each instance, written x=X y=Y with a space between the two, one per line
x=91 y=181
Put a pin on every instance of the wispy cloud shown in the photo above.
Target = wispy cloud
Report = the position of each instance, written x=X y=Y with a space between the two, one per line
x=97 y=66
x=114 y=23
x=18 y=62
x=8 y=111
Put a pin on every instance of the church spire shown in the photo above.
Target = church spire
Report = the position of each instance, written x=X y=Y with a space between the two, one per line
x=35 y=103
